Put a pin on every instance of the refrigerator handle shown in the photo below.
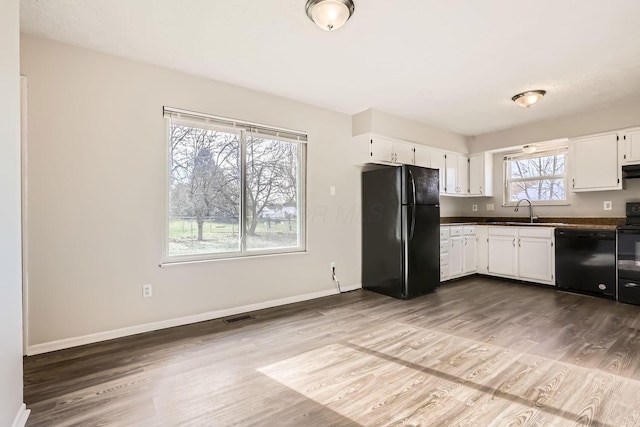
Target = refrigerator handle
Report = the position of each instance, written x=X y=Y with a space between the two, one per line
x=413 y=221
x=413 y=186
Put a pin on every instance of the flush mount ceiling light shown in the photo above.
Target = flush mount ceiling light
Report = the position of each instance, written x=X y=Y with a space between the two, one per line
x=329 y=14
x=527 y=99
x=529 y=149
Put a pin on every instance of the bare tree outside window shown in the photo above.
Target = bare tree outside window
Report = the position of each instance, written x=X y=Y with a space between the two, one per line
x=272 y=192
x=204 y=191
x=207 y=210
x=537 y=178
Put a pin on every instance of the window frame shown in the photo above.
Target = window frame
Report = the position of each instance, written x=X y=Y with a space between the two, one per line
x=243 y=252
x=564 y=150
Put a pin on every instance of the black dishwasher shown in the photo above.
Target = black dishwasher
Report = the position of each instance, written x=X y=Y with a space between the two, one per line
x=586 y=261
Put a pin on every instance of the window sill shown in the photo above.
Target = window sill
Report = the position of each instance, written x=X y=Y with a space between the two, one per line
x=168 y=262
x=534 y=204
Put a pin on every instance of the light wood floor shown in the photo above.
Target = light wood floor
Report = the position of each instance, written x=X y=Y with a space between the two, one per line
x=478 y=352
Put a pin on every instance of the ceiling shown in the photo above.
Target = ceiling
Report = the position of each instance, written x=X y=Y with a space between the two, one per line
x=453 y=64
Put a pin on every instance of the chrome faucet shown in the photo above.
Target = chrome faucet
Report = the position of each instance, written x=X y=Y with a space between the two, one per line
x=531 y=217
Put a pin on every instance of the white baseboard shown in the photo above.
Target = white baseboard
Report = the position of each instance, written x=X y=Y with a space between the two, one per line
x=21 y=417
x=180 y=321
x=351 y=288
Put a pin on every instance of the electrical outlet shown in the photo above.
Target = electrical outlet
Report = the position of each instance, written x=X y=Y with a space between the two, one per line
x=607 y=205
x=474 y=208
x=489 y=206
x=147 y=291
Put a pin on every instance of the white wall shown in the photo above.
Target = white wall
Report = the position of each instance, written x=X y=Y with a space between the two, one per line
x=96 y=180
x=581 y=204
x=382 y=123
x=622 y=115
x=10 y=251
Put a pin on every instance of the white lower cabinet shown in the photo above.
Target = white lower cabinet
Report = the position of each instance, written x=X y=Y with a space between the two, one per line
x=470 y=251
x=502 y=256
x=482 y=249
x=524 y=253
x=458 y=255
x=445 y=271
x=456 y=252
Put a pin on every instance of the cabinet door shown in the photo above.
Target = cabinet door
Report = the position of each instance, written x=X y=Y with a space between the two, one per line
x=381 y=149
x=456 y=253
x=482 y=249
x=535 y=259
x=403 y=153
x=481 y=174
x=422 y=156
x=476 y=175
x=470 y=254
x=451 y=179
x=503 y=256
x=444 y=259
x=438 y=162
x=595 y=163
x=463 y=175
x=632 y=146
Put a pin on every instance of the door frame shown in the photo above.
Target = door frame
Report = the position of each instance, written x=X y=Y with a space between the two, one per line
x=24 y=205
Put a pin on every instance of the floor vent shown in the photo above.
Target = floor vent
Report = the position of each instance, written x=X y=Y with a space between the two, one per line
x=237 y=319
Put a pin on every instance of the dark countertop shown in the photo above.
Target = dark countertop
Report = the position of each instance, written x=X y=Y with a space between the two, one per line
x=569 y=223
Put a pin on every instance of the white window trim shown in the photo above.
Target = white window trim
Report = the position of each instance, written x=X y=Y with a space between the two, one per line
x=547 y=152
x=243 y=253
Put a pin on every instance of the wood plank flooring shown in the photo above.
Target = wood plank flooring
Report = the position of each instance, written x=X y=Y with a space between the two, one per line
x=478 y=352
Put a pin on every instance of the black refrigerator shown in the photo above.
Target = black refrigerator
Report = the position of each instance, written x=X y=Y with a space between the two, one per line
x=400 y=231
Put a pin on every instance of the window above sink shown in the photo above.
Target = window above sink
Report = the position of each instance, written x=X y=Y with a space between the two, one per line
x=539 y=177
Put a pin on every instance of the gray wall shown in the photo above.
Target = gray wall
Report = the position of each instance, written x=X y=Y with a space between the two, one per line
x=97 y=173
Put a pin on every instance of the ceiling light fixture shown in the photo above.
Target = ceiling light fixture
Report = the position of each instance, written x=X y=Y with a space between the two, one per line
x=527 y=99
x=529 y=149
x=329 y=14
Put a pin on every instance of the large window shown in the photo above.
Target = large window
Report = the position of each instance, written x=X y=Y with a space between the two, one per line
x=539 y=177
x=233 y=189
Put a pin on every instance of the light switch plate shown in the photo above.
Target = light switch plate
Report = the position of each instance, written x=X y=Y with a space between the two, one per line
x=489 y=206
x=474 y=208
x=332 y=190
x=607 y=205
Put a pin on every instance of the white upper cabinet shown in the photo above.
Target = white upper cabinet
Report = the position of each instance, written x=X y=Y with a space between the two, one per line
x=453 y=168
x=463 y=174
x=369 y=148
x=595 y=163
x=456 y=174
x=422 y=156
x=481 y=174
x=631 y=139
x=403 y=153
x=437 y=162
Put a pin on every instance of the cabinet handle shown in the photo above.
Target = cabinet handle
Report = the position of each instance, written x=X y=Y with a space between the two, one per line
x=519 y=243
x=465 y=241
x=451 y=242
x=573 y=183
x=514 y=242
x=631 y=285
x=481 y=189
